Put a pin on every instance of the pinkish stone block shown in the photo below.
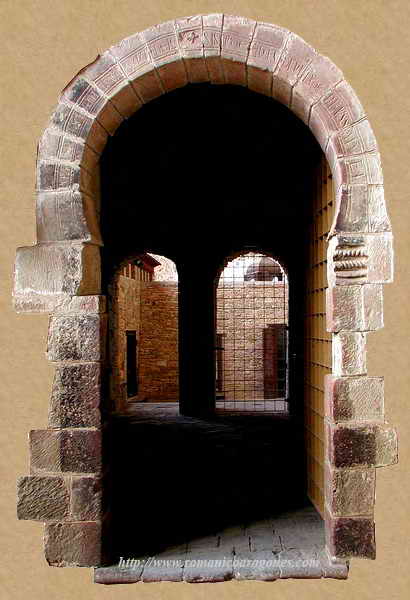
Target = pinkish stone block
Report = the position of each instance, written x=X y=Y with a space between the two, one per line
x=73 y=544
x=354 y=398
x=319 y=77
x=237 y=35
x=349 y=353
x=212 y=34
x=294 y=61
x=337 y=110
x=354 y=308
x=350 y=492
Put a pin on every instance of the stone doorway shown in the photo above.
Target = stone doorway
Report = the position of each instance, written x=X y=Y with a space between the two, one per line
x=350 y=249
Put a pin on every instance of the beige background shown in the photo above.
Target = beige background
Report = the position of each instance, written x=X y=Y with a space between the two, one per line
x=43 y=44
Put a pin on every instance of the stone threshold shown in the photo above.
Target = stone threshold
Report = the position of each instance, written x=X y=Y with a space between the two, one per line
x=290 y=545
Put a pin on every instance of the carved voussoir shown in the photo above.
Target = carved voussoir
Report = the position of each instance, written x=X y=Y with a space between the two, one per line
x=317 y=79
x=338 y=109
x=212 y=34
x=236 y=39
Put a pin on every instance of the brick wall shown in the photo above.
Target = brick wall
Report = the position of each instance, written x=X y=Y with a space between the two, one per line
x=318 y=342
x=244 y=311
x=158 y=348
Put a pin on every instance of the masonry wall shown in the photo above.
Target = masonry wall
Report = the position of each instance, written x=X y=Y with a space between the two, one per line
x=125 y=314
x=318 y=342
x=244 y=311
x=158 y=347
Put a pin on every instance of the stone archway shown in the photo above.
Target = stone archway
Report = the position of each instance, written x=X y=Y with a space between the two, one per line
x=61 y=274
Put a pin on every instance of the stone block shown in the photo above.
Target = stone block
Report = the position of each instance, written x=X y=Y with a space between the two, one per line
x=364 y=445
x=54 y=145
x=76 y=396
x=105 y=74
x=338 y=109
x=348 y=537
x=43 y=498
x=360 y=208
x=77 y=338
x=350 y=491
x=349 y=353
x=67 y=215
x=65 y=450
x=190 y=41
x=212 y=34
x=237 y=33
x=164 y=52
x=73 y=544
x=354 y=398
x=356 y=139
x=317 y=79
x=86 y=498
x=354 y=308
x=294 y=61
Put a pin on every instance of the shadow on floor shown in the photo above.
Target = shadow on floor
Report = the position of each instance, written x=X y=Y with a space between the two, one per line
x=179 y=478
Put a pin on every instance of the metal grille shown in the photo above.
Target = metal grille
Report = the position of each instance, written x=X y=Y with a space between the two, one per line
x=251 y=335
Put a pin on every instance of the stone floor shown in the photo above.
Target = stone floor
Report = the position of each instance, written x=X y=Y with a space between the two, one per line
x=207 y=500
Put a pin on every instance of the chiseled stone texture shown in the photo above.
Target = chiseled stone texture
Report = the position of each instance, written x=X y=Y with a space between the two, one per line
x=348 y=537
x=80 y=337
x=86 y=496
x=75 y=399
x=354 y=307
x=73 y=544
x=43 y=498
x=349 y=353
x=354 y=398
x=65 y=450
x=46 y=274
x=350 y=491
x=362 y=445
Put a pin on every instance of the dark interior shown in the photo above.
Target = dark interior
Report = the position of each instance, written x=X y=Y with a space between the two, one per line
x=197 y=175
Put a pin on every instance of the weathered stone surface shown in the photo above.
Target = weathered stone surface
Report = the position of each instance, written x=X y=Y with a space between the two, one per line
x=354 y=398
x=296 y=58
x=67 y=215
x=237 y=33
x=165 y=54
x=86 y=497
x=212 y=34
x=54 y=145
x=361 y=208
x=318 y=78
x=80 y=337
x=386 y=445
x=357 y=139
x=380 y=249
x=190 y=41
x=354 y=308
x=349 y=353
x=75 y=305
x=338 y=109
x=106 y=75
x=352 y=445
x=350 y=537
x=350 y=491
x=75 y=399
x=73 y=544
x=43 y=498
x=47 y=273
x=65 y=450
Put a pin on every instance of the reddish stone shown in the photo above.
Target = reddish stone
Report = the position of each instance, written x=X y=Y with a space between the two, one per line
x=43 y=498
x=86 y=496
x=73 y=544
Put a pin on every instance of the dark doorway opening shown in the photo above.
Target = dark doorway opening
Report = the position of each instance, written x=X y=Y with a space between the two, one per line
x=198 y=175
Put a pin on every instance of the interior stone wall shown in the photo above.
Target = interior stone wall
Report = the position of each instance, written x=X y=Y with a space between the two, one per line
x=158 y=348
x=242 y=330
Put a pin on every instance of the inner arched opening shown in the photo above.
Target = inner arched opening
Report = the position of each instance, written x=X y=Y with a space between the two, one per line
x=206 y=176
